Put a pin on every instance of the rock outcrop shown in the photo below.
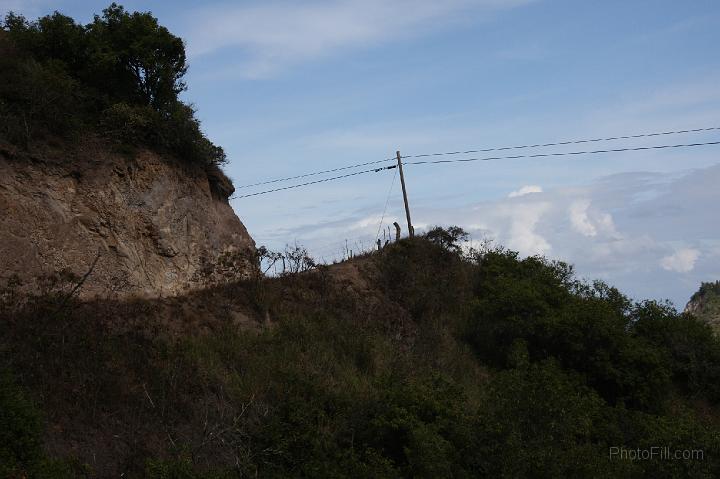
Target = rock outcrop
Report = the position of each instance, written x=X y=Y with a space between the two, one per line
x=705 y=304
x=157 y=226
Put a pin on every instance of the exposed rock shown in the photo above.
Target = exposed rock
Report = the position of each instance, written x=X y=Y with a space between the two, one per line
x=705 y=304
x=160 y=226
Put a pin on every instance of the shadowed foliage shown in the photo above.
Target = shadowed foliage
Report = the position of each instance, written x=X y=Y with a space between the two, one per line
x=118 y=76
x=432 y=361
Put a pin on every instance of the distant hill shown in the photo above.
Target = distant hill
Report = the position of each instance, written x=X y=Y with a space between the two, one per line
x=705 y=304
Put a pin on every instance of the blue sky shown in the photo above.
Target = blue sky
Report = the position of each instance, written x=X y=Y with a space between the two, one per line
x=292 y=87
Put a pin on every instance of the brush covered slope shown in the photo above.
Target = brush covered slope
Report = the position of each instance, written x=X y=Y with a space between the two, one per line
x=99 y=159
x=418 y=361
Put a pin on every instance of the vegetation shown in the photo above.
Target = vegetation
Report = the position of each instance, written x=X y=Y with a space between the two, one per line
x=705 y=303
x=447 y=363
x=119 y=76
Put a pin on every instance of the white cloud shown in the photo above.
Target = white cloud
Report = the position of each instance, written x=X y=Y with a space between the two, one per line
x=275 y=35
x=643 y=247
x=579 y=218
x=525 y=190
x=589 y=223
x=682 y=261
x=522 y=235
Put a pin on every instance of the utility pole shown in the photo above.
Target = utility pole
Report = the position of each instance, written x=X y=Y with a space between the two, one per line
x=411 y=231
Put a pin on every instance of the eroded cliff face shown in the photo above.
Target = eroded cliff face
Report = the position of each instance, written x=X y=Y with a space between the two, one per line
x=160 y=227
x=705 y=304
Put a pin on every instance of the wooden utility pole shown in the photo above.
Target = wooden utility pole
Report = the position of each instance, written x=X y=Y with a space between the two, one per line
x=411 y=231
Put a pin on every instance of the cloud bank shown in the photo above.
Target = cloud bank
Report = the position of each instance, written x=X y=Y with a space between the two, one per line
x=643 y=232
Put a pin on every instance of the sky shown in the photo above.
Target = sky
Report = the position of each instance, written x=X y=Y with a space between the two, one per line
x=289 y=88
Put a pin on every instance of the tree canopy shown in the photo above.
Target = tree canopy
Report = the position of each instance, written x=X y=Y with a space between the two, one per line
x=146 y=61
x=121 y=75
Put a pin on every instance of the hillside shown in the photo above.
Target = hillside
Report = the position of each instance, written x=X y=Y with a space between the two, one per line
x=415 y=362
x=103 y=169
x=153 y=225
x=139 y=337
x=705 y=304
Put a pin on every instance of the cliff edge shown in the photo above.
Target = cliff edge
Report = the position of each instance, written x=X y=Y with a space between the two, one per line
x=157 y=226
x=705 y=304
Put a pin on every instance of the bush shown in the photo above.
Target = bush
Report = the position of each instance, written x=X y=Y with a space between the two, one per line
x=423 y=276
x=523 y=373
x=692 y=349
x=35 y=98
x=20 y=428
x=539 y=303
x=179 y=132
x=540 y=421
x=21 y=425
x=127 y=124
x=119 y=76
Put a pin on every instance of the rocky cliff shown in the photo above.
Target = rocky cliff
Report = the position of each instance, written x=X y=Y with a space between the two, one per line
x=705 y=304
x=157 y=226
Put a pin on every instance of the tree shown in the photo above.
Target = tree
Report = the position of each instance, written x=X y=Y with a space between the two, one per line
x=120 y=74
x=447 y=238
x=143 y=59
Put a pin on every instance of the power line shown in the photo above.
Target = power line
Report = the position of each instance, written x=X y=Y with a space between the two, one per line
x=374 y=170
x=538 y=145
x=567 y=142
x=277 y=180
x=490 y=158
x=569 y=153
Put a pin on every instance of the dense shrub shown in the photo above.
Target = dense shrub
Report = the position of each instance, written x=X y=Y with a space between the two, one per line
x=120 y=76
x=539 y=303
x=424 y=276
x=477 y=364
x=689 y=345
x=540 y=421
x=20 y=428
x=128 y=124
x=21 y=453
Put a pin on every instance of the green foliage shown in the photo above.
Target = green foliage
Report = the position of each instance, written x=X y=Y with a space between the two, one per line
x=120 y=76
x=20 y=428
x=689 y=344
x=144 y=61
x=447 y=238
x=485 y=365
x=424 y=276
x=128 y=124
x=179 y=132
x=705 y=303
x=707 y=289
x=539 y=303
x=422 y=425
x=540 y=421
x=21 y=453
x=35 y=96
